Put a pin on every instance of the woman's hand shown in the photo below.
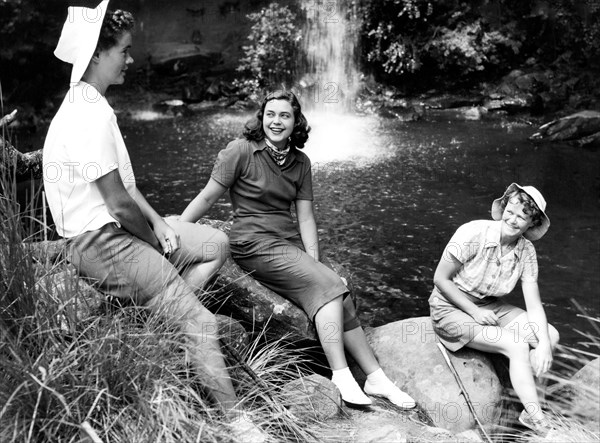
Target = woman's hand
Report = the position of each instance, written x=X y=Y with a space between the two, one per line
x=541 y=358
x=485 y=317
x=167 y=237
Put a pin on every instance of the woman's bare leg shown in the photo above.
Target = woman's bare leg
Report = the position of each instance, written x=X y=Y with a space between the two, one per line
x=512 y=345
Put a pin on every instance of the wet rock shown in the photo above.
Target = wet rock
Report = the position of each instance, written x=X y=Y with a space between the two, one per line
x=174 y=107
x=449 y=101
x=176 y=58
x=521 y=91
x=313 y=397
x=582 y=127
x=467 y=113
x=518 y=82
x=510 y=105
x=591 y=141
x=403 y=114
x=407 y=352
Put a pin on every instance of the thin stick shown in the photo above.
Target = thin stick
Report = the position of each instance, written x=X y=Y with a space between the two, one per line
x=463 y=390
x=45 y=221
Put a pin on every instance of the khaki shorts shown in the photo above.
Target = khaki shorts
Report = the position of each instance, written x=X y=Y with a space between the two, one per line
x=122 y=265
x=455 y=328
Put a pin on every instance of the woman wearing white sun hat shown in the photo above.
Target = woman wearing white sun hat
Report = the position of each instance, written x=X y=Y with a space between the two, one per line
x=116 y=239
x=483 y=262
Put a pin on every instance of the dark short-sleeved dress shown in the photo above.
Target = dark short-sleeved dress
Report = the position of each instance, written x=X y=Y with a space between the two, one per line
x=264 y=239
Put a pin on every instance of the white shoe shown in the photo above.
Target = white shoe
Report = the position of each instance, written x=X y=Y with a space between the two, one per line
x=393 y=393
x=351 y=392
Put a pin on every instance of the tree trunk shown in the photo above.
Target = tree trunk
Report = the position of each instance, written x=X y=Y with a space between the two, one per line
x=26 y=166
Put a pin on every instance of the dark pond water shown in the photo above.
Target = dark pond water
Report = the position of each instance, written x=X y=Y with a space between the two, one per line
x=389 y=195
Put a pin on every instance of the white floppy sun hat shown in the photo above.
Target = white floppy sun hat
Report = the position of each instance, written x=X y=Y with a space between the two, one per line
x=79 y=37
x=535 y=232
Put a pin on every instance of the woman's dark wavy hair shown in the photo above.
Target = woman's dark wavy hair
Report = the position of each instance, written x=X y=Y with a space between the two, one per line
x=253 y=130
x=114 y=25
x=529 y=206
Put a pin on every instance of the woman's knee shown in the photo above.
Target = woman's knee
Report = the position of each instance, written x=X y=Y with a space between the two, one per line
x=217 y=249
x=554 y=335
x=519 y=349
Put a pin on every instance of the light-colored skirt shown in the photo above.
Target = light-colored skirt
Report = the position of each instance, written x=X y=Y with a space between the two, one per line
x=455 y=328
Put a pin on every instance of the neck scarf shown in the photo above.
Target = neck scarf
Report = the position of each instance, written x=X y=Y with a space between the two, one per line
x=278 y=155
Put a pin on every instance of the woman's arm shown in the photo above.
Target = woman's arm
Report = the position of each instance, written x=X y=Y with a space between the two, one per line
x=168 y=238
x=200 y=205
x=537 y=319
x=124 y=208
x=308 y=227
x=442 y=279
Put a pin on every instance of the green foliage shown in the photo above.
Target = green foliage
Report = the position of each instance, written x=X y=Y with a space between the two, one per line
x=468 y=48
x=274 y=51
x=391 y=33
x=453 y=40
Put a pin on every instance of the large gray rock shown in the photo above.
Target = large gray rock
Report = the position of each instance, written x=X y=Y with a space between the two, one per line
x=313 y=397
x=408 y=354
x=582 y=127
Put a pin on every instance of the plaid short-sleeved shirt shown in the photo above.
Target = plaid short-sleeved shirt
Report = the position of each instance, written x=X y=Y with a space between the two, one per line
x=485 y=273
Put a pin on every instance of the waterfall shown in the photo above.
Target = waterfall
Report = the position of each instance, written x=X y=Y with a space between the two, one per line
x=331 y=77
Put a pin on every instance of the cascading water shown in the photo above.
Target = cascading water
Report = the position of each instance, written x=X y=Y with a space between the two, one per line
x=331 y=78
x=329 y=87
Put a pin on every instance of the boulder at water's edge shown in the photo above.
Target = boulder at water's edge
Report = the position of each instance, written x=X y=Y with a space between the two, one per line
x=408 y=353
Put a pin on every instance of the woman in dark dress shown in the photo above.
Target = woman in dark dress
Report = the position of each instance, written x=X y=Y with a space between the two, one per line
x=265 y=173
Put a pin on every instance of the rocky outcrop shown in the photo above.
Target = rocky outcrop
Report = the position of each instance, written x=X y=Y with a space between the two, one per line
x=313 y=397
x=408 y=353
x=581 y=128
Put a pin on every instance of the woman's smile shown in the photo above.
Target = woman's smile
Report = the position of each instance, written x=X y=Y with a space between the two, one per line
x=278 y=122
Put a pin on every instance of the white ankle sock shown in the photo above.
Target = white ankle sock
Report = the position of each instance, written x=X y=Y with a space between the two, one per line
x=377 y=376
x=378 y=384
x=348 y=387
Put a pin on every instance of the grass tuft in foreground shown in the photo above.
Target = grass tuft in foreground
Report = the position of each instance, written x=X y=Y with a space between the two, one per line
x=113 y=377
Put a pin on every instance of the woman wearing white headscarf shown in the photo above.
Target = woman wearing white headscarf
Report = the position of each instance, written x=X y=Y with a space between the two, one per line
x=115 y=237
